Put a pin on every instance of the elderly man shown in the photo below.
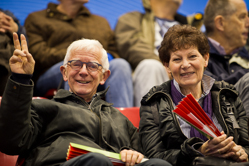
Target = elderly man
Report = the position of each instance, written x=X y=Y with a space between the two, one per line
x=139 y=36
x=40 y=130
x=227 y=26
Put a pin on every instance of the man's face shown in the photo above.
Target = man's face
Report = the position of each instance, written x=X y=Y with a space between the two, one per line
x=83 y=82
x=236 y=25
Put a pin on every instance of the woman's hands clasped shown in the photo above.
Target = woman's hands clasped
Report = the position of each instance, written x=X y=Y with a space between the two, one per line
x=224 y=147
x=21 y=61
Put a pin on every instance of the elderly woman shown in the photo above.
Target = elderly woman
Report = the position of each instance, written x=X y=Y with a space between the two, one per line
x=185 y=53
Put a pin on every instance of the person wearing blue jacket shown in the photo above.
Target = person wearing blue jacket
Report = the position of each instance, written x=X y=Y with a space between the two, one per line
x=227 y=24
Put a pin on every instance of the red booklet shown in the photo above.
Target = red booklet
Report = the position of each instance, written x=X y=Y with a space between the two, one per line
x=75 y=150
x=190 y=111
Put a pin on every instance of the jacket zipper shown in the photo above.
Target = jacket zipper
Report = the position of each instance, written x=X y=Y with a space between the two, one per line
x=89 y=107
x=100 y=126
x=220 y=108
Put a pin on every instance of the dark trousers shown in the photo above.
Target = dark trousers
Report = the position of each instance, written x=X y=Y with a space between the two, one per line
x=92 y=159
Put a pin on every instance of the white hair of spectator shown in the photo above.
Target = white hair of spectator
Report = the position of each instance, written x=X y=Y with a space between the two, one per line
x=88 y=45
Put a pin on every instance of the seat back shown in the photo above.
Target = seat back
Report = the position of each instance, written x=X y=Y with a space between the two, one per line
x=132 y=113
x=7 y=160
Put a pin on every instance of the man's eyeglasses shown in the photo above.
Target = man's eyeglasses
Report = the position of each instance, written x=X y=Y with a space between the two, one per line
x=91 y=66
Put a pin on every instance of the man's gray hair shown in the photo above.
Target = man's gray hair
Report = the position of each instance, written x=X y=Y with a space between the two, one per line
x=215 y=8
x=88 y=45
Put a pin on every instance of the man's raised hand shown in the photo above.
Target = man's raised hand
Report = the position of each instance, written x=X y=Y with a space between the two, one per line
x=21 y=61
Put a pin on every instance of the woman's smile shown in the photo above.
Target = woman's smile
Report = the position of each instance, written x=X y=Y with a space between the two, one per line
x=187 y=74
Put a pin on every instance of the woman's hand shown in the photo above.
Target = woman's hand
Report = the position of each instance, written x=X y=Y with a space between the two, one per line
x=131 y=157
x=219 y=147
x=21 y=61
x=239 y=153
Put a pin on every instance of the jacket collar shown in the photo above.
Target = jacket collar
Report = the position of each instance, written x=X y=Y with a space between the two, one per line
x=213 y=50
x=242 y=52
x=157 y=90
x=65 y=94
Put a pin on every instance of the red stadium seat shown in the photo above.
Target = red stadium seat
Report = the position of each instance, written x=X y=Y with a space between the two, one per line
x=6 y=160
x=39 y=97
x=132 y=113
x=50 y=93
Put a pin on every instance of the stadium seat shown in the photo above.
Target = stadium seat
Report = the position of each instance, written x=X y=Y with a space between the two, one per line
x=132 y=113
x=50 y=93
x=7 y=160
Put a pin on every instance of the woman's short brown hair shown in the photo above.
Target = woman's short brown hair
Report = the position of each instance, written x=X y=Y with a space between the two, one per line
x=182 y=37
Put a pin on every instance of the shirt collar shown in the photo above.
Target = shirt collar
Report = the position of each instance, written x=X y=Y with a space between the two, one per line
x=220 y=48
x=207 y=83
x=217 y=46
x=165 y=24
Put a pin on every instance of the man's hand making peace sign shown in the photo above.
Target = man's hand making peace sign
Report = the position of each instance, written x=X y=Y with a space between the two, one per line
x=21 y=61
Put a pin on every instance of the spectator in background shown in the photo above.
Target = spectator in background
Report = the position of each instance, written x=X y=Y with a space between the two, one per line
x=243 y=86
x=227 y=26
x=138 y=38
x=8 y=24
x=50 y=32
x=247 y=42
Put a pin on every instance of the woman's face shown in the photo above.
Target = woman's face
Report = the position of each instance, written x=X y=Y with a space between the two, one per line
x=187 y=67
